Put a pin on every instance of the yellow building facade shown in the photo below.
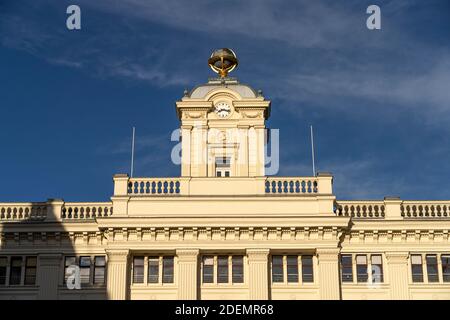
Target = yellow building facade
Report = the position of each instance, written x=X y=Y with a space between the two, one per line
x=223 y=229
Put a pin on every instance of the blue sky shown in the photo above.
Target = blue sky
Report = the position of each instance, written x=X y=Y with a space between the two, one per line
x=379 y=100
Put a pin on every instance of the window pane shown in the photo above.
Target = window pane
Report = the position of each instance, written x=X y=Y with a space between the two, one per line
x=3 y=266
x=138 y=270
x=167 y=269
x=85 y=261
x=432 y=268
x=222 y=269
x=377 y=268
x=16 y=270
x=346 y=268
x=292 y=268
x=153 y=269
x=361 y=269
x=85 y=270
x=277 y=269
x=208 y=269
x=69 y=261
x=445 y=259
x=30 y=270
x=416 y=268
x=100 y=261
x=307 y=269
x=238 y=269
x=99 y=270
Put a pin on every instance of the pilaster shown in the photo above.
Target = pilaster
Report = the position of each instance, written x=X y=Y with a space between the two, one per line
x=258 y=274
x=48 y=276
x=397 y=263
x=329 y=284
x=117 y=274
x=187 y=274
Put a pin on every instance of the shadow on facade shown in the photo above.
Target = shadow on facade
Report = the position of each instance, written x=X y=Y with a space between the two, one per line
x=36 y=248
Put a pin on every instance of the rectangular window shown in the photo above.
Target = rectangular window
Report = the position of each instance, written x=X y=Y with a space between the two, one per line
x=3 y=267
x=277 y=269
x=416 y=268
x=99 y=270
x=138 y=270
x=69 y=261
x=377 y=268
x=292 y=268
x=153 y=269
x=346 y=268
x=432 y=268
x=238 y=269
x=208 y=269
x=361 y=269
x=445 y=259
x=222 y=269
x=30 y=270
x=167 y=269
x=85 y=270
x=16 y=271
x=222 y=166
x=307 y=269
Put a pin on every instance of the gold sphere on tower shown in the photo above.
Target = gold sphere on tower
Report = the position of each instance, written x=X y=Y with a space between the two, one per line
x=223 y=61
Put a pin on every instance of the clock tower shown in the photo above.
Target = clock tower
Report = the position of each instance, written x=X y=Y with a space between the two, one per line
x=223 y=129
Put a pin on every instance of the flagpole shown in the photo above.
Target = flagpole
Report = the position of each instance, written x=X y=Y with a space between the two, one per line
x=312 y=152
x=132 y=153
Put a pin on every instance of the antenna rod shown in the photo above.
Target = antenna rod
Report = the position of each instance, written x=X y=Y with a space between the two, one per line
x=312 y=152
x=132 y=153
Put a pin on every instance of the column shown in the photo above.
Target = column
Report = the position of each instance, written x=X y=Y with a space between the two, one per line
x=258 y=274
x=252 y=152
x=117 y=274
x=329 y=282
x=260 y=159
x=48 y=276
x=186 y=150
x=187 y=274
x=243 y=151
x=397 y=263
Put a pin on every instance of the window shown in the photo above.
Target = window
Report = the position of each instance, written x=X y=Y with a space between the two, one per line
x=99 y=270
x=277 y=269
x=238 y=269
x=3 y=267
x=138 y=270
x=292 y=268
x=208 y=269
x=377 y=268
x=307 y=269
x=445 y=259
x=16 y=271
x=167 y=269
x=223 y=166
x=432 y=268
x=69 y=261
x=416 y=268
x=222 y=269
x=153 y=269
x=361 y=268
x=85 y=270
x=346 y=268
x=30 y=270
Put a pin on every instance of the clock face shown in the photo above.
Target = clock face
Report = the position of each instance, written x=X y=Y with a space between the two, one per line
x=222 y=109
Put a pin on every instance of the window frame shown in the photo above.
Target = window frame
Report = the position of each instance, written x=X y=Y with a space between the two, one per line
x=362 y=277
x=29 y=268
x=20 y=268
